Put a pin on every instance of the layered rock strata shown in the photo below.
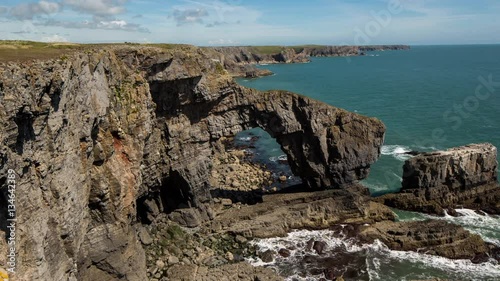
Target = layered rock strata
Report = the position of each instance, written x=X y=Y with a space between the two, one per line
x=106 y=137
x=459 y=177
x=434 y=237
x=280 y=213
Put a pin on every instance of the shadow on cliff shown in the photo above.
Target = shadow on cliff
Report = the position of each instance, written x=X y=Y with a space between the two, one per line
x=172 y=194
x=256 y=196
x=245 y=197
x=3 y=205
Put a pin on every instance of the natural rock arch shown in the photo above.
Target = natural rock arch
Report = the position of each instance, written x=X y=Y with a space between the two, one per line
x=326 y=146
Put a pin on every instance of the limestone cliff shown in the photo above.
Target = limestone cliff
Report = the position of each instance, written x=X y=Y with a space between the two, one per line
x=463 y=176
x=104 y=138
x=240 y=61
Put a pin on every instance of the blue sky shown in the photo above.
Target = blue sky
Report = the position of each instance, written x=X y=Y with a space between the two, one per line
x=256 y=22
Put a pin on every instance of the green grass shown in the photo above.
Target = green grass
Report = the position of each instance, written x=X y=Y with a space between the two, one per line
x=16 y=50
x=166 y=46
x=300 y=48
x=27 y=50
x=270 y=50
x=266 y=50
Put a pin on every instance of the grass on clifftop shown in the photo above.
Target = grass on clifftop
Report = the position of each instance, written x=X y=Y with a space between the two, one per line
x=25 y=50
x=270 y=50
x=15 y=50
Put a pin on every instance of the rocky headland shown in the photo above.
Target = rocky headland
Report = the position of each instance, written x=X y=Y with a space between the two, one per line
x=241 y=61
x=123 y=173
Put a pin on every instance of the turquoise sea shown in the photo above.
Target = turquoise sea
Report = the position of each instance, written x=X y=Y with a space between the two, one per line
x=430 y=97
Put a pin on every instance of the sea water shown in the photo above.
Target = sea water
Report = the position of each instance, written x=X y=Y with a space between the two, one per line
x=429 y=98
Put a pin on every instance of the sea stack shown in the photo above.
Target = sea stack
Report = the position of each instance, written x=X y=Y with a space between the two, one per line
x=464 y=176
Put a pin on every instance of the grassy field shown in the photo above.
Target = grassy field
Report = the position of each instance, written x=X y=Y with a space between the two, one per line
x=26 y=50
x=268 y=50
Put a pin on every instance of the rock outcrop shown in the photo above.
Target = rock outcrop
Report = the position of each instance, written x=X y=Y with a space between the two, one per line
x=331 y=51
x=434 y=237
x=280 y=213
x=105 y=137
x=459 y=177
x=371 y=48
x=231 y=272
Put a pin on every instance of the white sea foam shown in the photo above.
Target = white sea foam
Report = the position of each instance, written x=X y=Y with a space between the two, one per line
x=398 y=176
x=282 y=157
x=396 y=151
x=460 y=267
x=375 y=187
x=486 y=226
x=427 y=148
x=377 y=253
x=245 y=138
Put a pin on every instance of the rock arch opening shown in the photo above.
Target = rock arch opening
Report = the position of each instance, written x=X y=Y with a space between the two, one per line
x=263 y=149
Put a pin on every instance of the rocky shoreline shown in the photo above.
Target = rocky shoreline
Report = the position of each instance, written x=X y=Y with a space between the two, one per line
x=241 y=61
x=124 y=171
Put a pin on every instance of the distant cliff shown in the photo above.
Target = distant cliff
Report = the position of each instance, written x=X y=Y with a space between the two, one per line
x=240 y=61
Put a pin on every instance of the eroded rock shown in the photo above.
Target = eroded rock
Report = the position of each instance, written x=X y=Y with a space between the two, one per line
x=459 y=177
x=435 y=237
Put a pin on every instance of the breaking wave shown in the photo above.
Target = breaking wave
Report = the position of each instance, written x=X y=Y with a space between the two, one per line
x=396 y=151
x=373 y=261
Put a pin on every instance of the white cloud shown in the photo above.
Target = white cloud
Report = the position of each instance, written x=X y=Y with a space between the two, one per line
x=54 y=38
x=98 y=7
x=97 y=23
x=189 y=16
x=26 y=11
x=225 y=12
x=115 y=24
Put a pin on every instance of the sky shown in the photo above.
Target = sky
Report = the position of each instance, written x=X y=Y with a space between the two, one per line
x=253 y=22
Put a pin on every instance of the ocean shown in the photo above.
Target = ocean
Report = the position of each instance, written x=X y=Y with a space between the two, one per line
x=429 y=98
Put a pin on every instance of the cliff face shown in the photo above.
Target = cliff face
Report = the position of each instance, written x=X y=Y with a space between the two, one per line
x=370 y=48
x=331 y=51
x=107 y=137
x=464 y=176
x=240 y=61
x=458 y=168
